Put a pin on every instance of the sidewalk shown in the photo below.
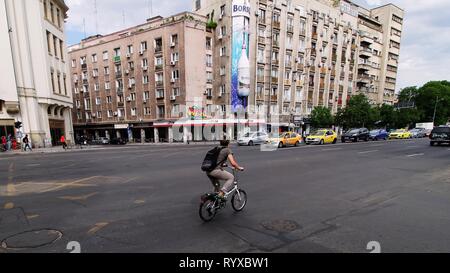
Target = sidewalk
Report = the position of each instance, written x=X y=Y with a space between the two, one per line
x=58 y=149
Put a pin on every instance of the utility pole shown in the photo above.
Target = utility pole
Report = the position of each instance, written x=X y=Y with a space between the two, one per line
x=435 y=108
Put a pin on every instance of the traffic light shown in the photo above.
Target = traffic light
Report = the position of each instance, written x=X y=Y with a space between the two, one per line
x=18 y=125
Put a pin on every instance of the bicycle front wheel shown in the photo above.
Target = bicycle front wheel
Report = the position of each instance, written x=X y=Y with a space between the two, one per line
x=207 y=211
x=239 y=200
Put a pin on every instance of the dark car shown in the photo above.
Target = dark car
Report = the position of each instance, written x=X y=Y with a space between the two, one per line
x=440 y=135
x=378 y=134
x=118 y=141
x=356 y=134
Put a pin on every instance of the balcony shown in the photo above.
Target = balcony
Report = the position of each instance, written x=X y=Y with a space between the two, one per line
x=322 y=86
x=276 y=43
x=312 y=68
x=260 y=78
x=116 y=59
x=323 y=70
x=364 y=66
x=302 y=32
x=159 y=67
x=362 y=78
x=275 y=80
x=159 y=83
x=275 y=62
x=84 y=66
x=261 y=40
x=158 y=49
x=290 y=29
x=366 y=39
x=276 y=24
x=314 y=36
x=300 y=67
x=119 y=74
x=287 y=82
x=262 y=20
x=287 y=64
x=365 y=52
x=120 y=104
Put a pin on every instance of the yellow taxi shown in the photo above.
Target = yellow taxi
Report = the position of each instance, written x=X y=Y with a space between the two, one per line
x=323 y=136
x=285 y=139
x=400 y=134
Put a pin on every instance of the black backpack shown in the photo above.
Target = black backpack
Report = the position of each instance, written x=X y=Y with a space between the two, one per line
x=210 y=161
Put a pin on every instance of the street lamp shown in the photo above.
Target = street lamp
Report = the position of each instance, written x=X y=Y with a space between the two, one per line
x=435 y=108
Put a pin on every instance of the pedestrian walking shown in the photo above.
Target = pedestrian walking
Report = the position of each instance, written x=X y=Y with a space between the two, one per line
x=8 y=142
x=26 y=143
x=63 y=142
x=3 y=143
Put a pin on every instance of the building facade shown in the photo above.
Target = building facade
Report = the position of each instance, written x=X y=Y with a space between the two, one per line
x=35 y=87
x=136 y=83
x=308 y=53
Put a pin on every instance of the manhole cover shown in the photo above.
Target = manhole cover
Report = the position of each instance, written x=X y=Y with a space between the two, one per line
x=31 y=239
x=281 y=225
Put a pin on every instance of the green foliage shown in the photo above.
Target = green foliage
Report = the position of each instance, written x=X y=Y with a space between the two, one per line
x=211 y=24
x=321 y=117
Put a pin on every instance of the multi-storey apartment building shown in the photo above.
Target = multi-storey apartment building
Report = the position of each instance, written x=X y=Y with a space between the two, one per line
x=34 y=80
x=379 y=49
x=307 y=53
x=137 y=82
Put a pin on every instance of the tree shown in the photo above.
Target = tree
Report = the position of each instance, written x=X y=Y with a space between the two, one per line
x=387 y=116
x=358 y=113
x=434 y=95
x=321 y=117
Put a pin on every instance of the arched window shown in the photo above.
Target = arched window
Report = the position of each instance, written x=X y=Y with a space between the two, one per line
x=49 y=110
x=62 y=112
x=56 y=111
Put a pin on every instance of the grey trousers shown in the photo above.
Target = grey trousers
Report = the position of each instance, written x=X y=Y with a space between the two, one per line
x=221 y=175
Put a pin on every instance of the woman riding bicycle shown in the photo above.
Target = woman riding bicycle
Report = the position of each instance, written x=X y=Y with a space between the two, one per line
x=219 y=173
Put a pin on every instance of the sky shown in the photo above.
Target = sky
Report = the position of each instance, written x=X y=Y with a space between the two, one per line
x=425 y=48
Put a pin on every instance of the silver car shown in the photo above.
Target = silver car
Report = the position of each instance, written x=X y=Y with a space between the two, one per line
x=253 y=138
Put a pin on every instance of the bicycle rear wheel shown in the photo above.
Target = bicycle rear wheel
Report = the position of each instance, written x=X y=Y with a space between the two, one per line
x=207 y=211
x=239 y=200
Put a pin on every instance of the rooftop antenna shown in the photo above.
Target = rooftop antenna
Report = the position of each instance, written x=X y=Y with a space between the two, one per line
x=150 y=8
x=96 y=16
x=123 y=17
x=84 y=27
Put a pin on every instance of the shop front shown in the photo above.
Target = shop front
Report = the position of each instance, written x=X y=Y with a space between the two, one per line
x=56 y=130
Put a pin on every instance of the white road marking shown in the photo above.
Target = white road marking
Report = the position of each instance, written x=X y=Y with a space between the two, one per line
x=414 y=155
x=331 y=149
x=412 y=146
x=376 y=145
x=367 y=152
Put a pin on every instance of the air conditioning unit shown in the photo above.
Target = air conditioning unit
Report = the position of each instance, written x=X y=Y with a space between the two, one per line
x=220 y=95
x=127 y=71
x=173 y=98
x=128 y=98
x=115 y=113
x=220 y=37
x=128 y=55
x=172 y=80
x=141 y=52
x=173 y=63
x=205 y=93
x=145 y=68
x=94 y=115
x=172 y=44
x=75 y=80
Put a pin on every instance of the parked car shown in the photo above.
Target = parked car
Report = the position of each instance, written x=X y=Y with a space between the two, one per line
x=285 y=139
x=100 y=141
x=118 y=141
x=378 y=134
x=322 y=137
x=253 y=138
x=356 y=134
x=440 y=135
x=418 y=132
x=400 y=134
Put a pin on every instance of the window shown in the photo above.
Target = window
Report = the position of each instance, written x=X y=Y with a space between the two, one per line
x=144 y=63
x=130 y=65
x=159 y=78
x=95 y=72
x=145 y=79
x=55 y=46
x=159 y=61
x=223 y=30
x=94 y=58
x=146 y=95
x=61 y=49
x=208 y=43
x=77 y=103
x=130 y=49
x=276 y=17
x=298 y=94
x=87 y=103
x=133 y=96
x=209 y=60
x=121 y=112
x=175 y=74
x=158 y=44
x=274 y=73
x=110 y=113
x=223 y=51
x=105 y=55
x=222 y=90
x=53 y=81
x=88 y=115
x=174 y=57
x=222 y=11
x=85 y=88
x=98 y=101
x=287 y=94
x=144 y=46
x=106 y=70
x=96 y=87
x=147 y=111
x=109 y=99
x=52 y=16
x=65 y=85
x=74 y=63
x=261 y=55
x=259 y=90
x=176 y=91
x=58 y=17
x=117 y=52
x=159 y=93
x=174 y=39
x=45 y=9
x=58 y=77
x=175 y=110
x=262 y=16
x=222 y=71
x=83 y=60
x=133 y=111
x=161 y=111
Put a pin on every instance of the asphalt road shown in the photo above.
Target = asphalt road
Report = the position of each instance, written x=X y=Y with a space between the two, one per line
x=332 y=198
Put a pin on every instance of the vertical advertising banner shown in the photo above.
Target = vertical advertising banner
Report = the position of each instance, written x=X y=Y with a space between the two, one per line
x=240 y=65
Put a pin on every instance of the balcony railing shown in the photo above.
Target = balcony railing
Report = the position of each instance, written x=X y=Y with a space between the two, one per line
x=275 y=80
x=276 y=24
x=290 y=28
x=261 y=40
x=159 y=83
x=117 y=59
